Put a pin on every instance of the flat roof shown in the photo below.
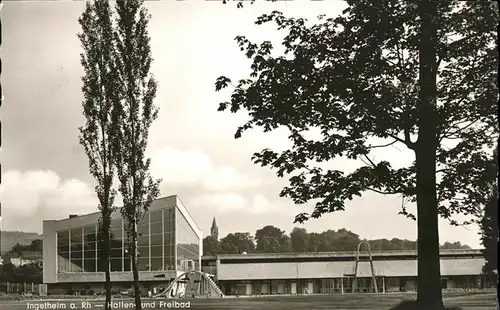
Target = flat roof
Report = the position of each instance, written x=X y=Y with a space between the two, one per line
x=402 y=253
x=78 y=217
x=167 y=202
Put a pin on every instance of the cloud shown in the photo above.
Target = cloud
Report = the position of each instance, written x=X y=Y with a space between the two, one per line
x=25 y=192
x=192 y=167
x=234 y=202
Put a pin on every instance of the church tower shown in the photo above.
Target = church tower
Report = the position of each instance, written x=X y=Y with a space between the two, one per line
x=214 y=230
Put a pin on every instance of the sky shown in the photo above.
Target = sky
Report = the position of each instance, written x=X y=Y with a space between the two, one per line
x=192 y=146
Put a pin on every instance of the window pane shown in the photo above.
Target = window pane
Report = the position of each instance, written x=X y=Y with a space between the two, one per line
x=63 y=234
x=89 y=230
x=89 y=264
x=155 y=216
x=76 y=232
x=156 y=263
x=89 y=246
x=89 y=254
x=143 y=241
x=76 y=265
x=169 y=263
x=156 y=251
x=156 y=240
x=156 y=228
x=90 y=238
x=143 y=264
x=169 y=223
x=63 y=248
x=144 y=251
x=116 y=253
x=116 y=234
x=116 y=224
x=63 y=241
x=116 y=244
x=76 y=255
x=127 y=266
x=116 y=264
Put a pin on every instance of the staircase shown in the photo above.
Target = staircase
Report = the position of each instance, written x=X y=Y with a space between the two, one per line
x=214 y=286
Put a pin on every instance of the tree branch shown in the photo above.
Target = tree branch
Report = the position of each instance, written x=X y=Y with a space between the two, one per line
x=406 y=141
x=448 y=134
x=381 y=192
x=383 y=145
x=371 y=162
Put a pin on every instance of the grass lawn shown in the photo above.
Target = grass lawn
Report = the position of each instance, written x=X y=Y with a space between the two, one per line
x=467 y=301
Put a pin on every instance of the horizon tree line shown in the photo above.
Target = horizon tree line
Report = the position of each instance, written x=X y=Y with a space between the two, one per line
x=271 y=239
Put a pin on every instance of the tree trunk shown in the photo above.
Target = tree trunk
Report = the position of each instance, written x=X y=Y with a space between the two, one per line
x=135 y=272
x=429 y=294
x=108 y=287
x=107 y=271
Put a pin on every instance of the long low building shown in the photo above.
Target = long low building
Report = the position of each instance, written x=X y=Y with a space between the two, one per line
x=255 y=274
x=170 y=244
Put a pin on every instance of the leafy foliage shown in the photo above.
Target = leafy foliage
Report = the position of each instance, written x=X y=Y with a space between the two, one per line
x=355 y=78
x=135 y=112
x=421 y=74
x=271 y=239
x=239 y=3
x=211 y=246
x=28 y=273
x=302 y=241
x=99 y=89
x=237 y=243
x=36 y=246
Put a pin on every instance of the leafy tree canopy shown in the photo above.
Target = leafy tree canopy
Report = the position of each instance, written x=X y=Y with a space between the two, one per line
x=237 y=243
x=300 y=240
x=354 y=78
x=271 y=239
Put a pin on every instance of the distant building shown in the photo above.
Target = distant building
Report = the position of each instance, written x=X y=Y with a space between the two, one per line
x=29 y=257
x=214 y=230
x=23 y=258
x=330 y=273
x=170 y=244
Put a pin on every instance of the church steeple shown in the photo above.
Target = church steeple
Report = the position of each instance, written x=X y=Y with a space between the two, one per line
x=214 y=230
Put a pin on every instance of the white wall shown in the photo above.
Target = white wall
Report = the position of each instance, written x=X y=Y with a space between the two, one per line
x=332 y=269
x=49 y=252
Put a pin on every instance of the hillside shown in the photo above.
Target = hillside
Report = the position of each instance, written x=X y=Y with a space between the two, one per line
x=11 y=238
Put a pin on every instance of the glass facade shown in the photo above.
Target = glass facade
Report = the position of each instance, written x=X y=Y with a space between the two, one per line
x=90 y=248
x=169 y=239
x=188 y=245
x=78 y=249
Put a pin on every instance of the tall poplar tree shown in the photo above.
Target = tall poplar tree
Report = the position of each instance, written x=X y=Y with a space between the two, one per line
x=137 y=110
x=98 y=133
x=421 y=74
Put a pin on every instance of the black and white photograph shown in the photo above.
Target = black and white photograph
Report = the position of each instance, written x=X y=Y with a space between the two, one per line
x=256 y=154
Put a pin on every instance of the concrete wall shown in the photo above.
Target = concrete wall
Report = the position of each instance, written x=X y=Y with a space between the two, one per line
x=115 y=276
x=49 y=252
x=336 y=269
